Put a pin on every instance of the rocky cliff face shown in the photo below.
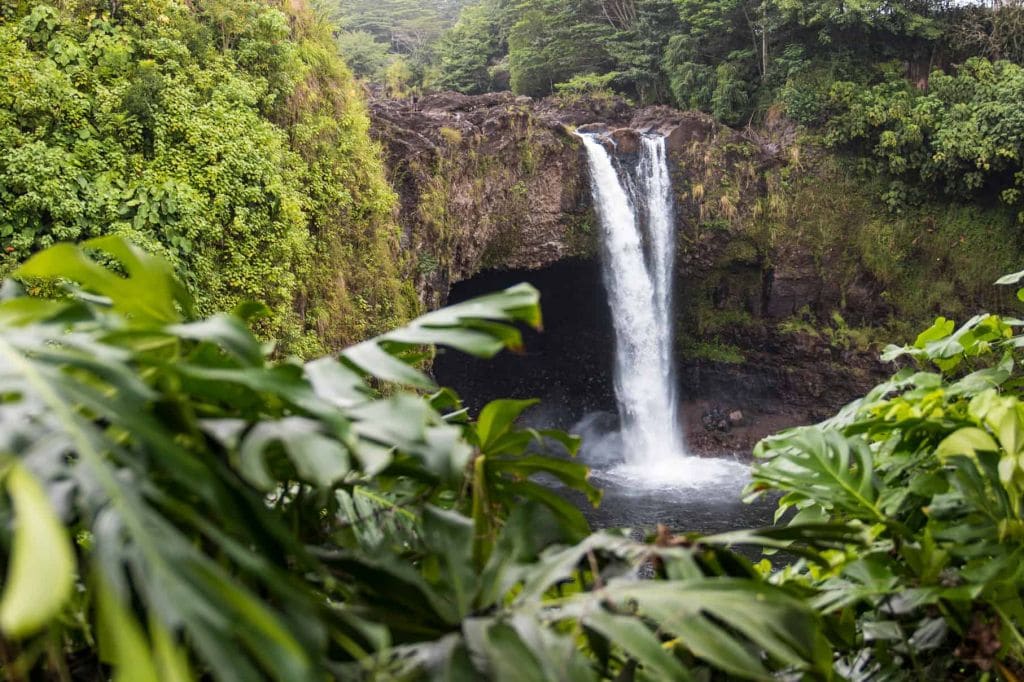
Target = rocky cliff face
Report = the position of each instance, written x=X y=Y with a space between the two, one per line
x=788 y=263
x=499 y=182
x=488 y=182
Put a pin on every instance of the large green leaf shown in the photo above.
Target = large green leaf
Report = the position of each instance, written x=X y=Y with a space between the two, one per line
x=496 y=419
x=478 y=327
x=163 y=299
x=825 y=466
x=42 y=565
x=639 y=643
x=702 y=612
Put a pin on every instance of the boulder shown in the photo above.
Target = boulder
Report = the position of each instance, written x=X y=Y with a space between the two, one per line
x=626 y=140
x=592 y=129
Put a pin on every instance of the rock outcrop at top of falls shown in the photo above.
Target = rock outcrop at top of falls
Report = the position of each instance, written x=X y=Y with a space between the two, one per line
x=499 y=181
x=485 y=182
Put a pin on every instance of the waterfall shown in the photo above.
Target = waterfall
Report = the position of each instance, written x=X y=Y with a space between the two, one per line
x=634 y=208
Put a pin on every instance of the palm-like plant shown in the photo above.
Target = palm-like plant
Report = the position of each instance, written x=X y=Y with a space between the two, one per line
x=929 y=464
x=178 y=505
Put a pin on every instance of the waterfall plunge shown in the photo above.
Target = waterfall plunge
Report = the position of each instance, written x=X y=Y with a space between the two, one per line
x=638 y=240
x=634 y=208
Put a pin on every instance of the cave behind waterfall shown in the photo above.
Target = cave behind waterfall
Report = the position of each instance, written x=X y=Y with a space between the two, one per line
x=568 y=366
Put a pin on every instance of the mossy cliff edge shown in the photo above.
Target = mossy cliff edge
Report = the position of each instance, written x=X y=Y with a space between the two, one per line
x=486 y=182
x=227 y=136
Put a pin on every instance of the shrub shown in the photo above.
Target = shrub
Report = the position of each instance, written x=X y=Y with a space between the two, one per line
x=587 y=86
x=962 y=136
x=229 y=140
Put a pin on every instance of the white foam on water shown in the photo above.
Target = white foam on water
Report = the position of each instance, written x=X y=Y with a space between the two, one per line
x=683 y=473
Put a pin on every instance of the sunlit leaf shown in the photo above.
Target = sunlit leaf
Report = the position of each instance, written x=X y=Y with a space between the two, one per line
x=42 y=566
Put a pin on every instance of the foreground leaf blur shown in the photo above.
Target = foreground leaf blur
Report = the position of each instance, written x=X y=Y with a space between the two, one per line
x=238 y=517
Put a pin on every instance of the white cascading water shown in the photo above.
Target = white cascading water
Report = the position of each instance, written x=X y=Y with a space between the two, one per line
x=638 y=230
x=638 y=275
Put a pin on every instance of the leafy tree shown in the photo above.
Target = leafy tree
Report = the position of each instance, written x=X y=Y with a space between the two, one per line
x=362 y=52
x=837 y=21
x=407 y=25
x=962 y=136
x=410 y=29
x=467 y=51
x=720 y=55
x=637 y=47
x=399 y=78
x=550 y=42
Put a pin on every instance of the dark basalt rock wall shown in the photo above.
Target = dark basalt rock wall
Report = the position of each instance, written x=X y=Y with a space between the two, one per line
x=497 y=184
x=487 y=182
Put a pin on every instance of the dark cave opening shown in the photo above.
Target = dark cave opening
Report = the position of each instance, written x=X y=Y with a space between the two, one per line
x=568 y=366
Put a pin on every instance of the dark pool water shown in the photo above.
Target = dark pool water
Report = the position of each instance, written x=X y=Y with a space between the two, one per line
x=634 y=501
x=707 y=510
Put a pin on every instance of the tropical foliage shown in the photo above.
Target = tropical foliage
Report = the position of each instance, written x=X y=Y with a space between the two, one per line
x=929 y=465
x=963 y=136
x=228 y=515
x=670 y=50
x=176 y=505
x=227 y=137
x=376 y=36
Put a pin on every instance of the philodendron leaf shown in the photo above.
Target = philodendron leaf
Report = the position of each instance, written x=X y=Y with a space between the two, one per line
x=497 y=417
x=480 y=327
x=150 y=292
x=42 y=568
x=966 y=441
x=706 y=613
x=639 y=643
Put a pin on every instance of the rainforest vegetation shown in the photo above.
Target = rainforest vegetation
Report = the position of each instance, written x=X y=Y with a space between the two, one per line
x=222 y=452
x=184 y=506
x=927 y=91
x=230 y=139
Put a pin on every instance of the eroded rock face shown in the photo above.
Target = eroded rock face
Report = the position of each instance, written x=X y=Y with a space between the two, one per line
x=486 y=182
x=499 y=182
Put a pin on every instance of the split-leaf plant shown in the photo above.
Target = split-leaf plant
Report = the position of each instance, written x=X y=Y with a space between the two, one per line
x=931 y=465
x=176 y=505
